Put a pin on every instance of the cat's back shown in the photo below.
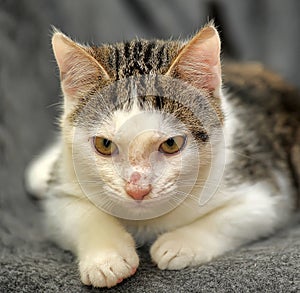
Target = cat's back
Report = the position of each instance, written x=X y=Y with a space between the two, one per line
x=263 y=100
x=255 y=85
x=268 y=111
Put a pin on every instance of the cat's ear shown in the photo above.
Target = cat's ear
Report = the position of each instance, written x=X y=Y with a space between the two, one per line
x=198 y=62
x=80 y=72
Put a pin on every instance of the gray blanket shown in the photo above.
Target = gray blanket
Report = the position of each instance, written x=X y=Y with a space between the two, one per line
x=29 y=93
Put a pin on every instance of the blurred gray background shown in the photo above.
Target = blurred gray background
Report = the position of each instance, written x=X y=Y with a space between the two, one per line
x=251 y=30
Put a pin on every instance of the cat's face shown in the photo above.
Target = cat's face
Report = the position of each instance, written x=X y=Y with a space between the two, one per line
x=139 y=154
x=142 y=134
x=136 y=155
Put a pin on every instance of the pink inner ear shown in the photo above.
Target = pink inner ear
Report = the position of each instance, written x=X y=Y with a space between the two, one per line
x=199 y=61
x=78 y=69
x=79 y=75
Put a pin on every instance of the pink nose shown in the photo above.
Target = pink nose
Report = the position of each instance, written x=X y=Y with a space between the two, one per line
x=135 y=189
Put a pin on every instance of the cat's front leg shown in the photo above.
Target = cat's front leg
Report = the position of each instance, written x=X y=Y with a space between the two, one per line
x=106 y=252
x=247 y=218
x=190 y=245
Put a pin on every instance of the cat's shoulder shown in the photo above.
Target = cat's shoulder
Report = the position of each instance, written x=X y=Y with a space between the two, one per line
x=258 y=85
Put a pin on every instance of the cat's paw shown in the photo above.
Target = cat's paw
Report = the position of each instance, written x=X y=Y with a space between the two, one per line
x=175 y=251
x=108 y=268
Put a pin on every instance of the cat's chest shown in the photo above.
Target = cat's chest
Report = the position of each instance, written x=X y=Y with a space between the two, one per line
x=146 y=231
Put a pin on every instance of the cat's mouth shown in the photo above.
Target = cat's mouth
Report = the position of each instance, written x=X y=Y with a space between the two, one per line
x=143 y=202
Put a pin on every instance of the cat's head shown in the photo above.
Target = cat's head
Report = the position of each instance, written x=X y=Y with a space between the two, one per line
x=141 y=119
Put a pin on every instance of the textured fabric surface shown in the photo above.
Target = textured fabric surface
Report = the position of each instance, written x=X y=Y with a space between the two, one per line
x=272 y=265
x=267 y=31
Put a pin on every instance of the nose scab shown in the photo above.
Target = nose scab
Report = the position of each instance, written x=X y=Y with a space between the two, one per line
x=135 y=188
x=135 y=177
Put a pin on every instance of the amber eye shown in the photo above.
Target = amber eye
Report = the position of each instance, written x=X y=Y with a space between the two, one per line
x=172 y=145
x=105 y=146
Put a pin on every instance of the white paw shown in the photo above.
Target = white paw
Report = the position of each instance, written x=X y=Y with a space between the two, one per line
x=175 y=251
x=108 y=268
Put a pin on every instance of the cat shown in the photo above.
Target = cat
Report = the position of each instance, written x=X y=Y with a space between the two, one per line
x=156 y=147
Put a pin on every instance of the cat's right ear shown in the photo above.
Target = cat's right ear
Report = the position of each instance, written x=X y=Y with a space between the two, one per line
x=80 y=73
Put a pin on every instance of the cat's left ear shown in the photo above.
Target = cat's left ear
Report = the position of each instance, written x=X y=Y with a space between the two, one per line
x=198 y=62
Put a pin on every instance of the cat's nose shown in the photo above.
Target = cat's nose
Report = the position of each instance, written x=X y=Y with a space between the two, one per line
x=135 y=188
x=137 y=192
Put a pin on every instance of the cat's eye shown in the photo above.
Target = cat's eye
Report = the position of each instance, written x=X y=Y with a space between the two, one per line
x=105 y=146
x=172 y=145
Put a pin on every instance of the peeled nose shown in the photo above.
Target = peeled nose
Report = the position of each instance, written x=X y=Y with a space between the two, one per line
x=136 y=187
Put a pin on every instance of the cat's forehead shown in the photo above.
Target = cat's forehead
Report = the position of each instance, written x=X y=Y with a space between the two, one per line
x=131 y=119
x=139 y=81
x=129 y=125
x=158 y=115
x=136 y=57
x=127 y=101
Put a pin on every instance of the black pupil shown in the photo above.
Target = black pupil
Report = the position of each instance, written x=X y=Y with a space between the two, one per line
x=106 y=143
x=170 y=142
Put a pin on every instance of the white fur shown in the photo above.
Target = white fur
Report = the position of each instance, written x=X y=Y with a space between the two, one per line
x=254 y=212
x=191 y=213
x=106 y=252
x=188 y=235
x=38 y=172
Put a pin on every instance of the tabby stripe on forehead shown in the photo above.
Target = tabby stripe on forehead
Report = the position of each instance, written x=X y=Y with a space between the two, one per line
x=158 y=102
x=126 y=56
x=138 y=53
x=117 y=62
x=135 y=53
x=127 y=50
x=161 y=56
x=148 y=55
